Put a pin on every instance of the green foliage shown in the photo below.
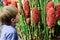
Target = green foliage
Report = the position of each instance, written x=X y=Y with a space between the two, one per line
x=41 y=29
x=1 y=7
x=58 y=22
x=23 y=25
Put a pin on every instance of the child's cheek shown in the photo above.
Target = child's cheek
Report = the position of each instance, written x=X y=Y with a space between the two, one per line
x=18 y=18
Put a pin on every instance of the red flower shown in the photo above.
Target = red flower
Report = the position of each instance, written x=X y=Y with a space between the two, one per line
x=57 y=8
x=49 y=5
x=35 y=15
x=5 y=3
x=50 y=19
x=13 y=3
x=9 y=1
x=26 y=8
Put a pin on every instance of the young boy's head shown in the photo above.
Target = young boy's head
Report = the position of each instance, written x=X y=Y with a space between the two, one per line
x=9 y=15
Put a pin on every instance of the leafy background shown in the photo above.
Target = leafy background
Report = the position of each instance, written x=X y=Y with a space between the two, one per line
x=44 y=32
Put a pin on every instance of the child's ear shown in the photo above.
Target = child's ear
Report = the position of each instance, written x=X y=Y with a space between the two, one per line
x=12 y=20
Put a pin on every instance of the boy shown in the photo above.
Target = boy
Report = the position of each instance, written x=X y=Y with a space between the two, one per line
x=9 y=17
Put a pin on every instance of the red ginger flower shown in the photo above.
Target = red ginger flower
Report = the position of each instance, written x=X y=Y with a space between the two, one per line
x=5 y=2
x=35 y=15
x=9 y=1
x=57 y=8
x=50 y=19
x=14 y=3
x=49 y=5
x=26 y=8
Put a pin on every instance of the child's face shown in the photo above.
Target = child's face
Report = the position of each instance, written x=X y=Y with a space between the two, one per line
x=17 y=18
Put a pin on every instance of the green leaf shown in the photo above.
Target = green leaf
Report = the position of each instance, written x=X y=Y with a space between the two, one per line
x=55 y=2
x=1 y=7
x=58 y=22
x=58 y=1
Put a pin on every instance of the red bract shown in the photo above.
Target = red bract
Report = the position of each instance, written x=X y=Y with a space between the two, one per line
x=57 y=15
x=35 y=15
x=9 y=1
x=26 y=8
x=51 y=12
x=57 y=8
x=51 y=17
x=5 y=3
x=49 y=5
x=13 y=3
